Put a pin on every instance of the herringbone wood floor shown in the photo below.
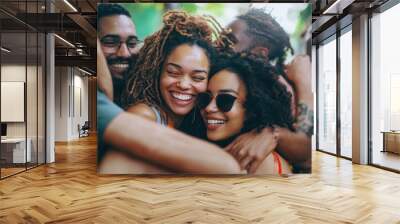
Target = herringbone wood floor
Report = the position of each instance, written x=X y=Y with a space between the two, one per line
x=70 y=191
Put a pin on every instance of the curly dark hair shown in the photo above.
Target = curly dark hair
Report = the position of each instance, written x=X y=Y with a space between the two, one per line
x=266 y=31
x=267 y=100
x=179 y=28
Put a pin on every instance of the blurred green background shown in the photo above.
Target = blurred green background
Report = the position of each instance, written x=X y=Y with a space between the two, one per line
x=295 y=18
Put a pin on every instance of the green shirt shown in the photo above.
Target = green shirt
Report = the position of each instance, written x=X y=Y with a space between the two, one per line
x=106 y=112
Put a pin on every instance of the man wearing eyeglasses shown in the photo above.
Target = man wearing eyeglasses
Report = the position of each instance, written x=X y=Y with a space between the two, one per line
x=119 y=43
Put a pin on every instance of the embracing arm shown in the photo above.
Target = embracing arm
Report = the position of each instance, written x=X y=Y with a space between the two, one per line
x=168 y=147
x=153 y=142
x=295 y=146
x=251 y=149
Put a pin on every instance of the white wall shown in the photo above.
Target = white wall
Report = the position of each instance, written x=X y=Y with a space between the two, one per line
x=81 y=104
x=16 y=73
x=71 y=94
x=10 y=73
x=33 y=127
x=61 y=103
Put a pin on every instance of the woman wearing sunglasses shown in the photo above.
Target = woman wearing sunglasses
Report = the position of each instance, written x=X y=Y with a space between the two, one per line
x=244 y=95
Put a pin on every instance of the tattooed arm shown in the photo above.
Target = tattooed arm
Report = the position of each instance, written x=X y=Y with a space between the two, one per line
x=305 y=119
x=299 y=71
x=296 y=146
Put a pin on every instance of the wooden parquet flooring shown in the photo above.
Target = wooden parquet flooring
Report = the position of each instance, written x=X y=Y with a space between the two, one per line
x=70 y=191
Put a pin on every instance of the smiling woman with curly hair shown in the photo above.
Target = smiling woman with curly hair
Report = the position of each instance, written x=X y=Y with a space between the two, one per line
x=244 y=95
x=267 y=102
x=172 y=68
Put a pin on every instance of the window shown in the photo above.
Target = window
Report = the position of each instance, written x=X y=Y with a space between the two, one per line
x=346 y=93
x=327 y=96
x=385 y=88
x=22 y=68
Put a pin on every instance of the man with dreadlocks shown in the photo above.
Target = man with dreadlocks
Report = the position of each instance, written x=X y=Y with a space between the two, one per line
x=259 y=33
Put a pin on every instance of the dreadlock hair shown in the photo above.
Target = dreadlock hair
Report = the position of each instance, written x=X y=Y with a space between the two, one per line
x=179 y=28
x=265 y=31
x=267 y=101
x=104 y=10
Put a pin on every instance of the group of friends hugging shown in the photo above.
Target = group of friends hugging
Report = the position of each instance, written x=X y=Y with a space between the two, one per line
x=198 y=98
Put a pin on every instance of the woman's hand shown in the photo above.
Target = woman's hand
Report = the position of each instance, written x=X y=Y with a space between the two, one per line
x=104 y=80
x=250 y=149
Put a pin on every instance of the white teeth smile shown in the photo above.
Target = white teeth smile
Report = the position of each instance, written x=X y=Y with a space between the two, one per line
x=215 y=121
x=180 y=96
x=121 y=66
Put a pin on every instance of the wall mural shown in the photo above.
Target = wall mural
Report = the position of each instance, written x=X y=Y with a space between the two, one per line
x=204 y=88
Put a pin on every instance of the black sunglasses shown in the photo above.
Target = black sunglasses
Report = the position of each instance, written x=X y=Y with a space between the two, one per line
x=224 y=101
